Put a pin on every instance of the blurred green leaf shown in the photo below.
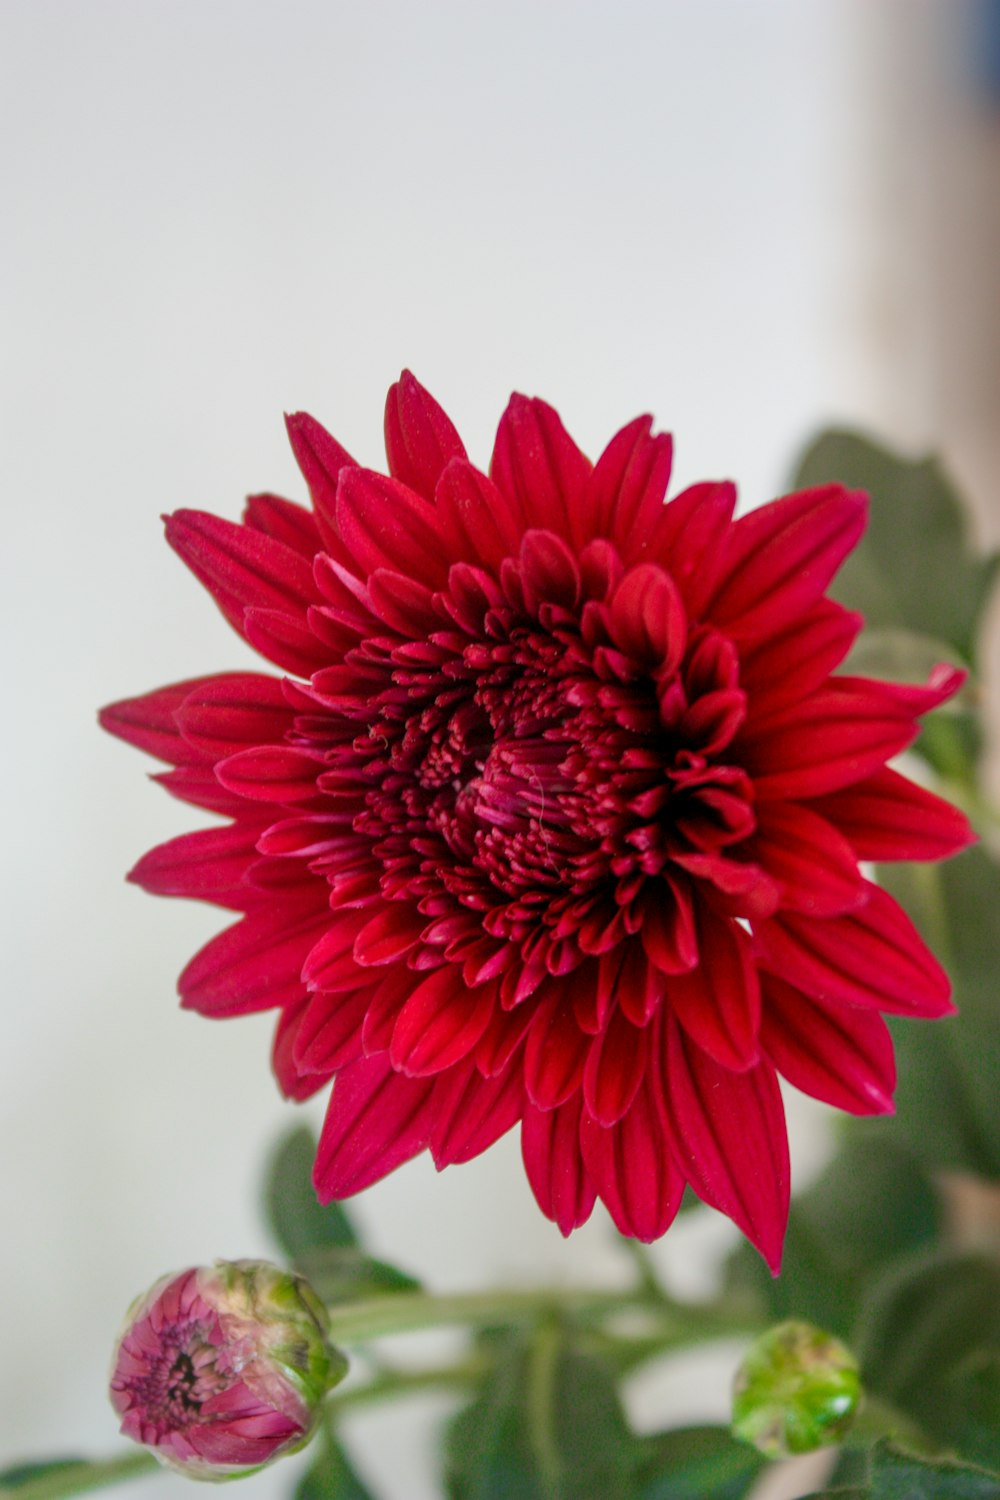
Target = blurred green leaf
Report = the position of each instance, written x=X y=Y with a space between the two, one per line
x=872 y=1204
x=19 y=1474
x=331 y=1476
x=914 y=569
x=547 y=1426
x=949 y=1073
x=697 y=1463
x=300 y=1223
x=61 y=1478
x=929 y=1343
x=900 y=1476
x=341 y=1274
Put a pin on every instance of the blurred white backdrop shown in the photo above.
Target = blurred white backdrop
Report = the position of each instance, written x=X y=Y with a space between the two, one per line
x=218 y=210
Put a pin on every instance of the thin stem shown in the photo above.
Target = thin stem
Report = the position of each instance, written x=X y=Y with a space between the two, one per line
x=389 y=1384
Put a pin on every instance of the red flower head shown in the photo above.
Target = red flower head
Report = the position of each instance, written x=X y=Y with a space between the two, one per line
x=556 y=817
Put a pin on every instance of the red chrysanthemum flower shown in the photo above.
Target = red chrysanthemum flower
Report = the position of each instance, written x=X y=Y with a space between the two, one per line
x=556 y=818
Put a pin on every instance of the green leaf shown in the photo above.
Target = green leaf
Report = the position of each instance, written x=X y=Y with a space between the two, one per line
x=929 y=1343
x=300 y=1223
x=914 y=569
x=331 y=1476
x=341 y=1275
x=872 y=1204
x=60 y=1478
x=548 y=1426
x=852 y=1492
x=900 y=1476
x=946 y=1103
x=697 y=1463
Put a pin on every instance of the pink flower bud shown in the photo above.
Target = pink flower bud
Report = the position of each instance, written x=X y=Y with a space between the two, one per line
x=220 y=1370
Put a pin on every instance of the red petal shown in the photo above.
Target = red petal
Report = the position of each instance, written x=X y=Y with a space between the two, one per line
x=632 y=1166
x=198 y=786
x=321 y=458
x=385 y=525
x=688 y=540
x=329 y=1034
x=616 y=1062
x=226 y=713
x=271 y=773
x=668 y=927
x=440 y=1023
x=241 y=568
x=210 y=865
x=287 y=640
x=553 y=1160
x=647 y=618
x=419 y=438
x=475 y=518
x=150 y=723
x=388 y=935
x=779 y=559
x=254 y=965
x=287 y=522
x=375 y=1122
x=538 y=466
x=871 y=957
x=733 y=1142
x=549 y=573
x=718 y=1003
x=837 y=736
x=501 y=1039
x=331 y=965
x=833 y=1052
x=627 y=487
x=786 y=667
x=815 y=864
x=472 y=1112
x=888 y=817
x=290 y=1083
x=556 y=1050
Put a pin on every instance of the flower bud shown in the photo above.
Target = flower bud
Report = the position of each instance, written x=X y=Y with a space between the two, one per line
x=221 y=1369
x=797 y=1389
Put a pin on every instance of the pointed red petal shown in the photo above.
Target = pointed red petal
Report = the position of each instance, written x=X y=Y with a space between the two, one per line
x=815 y=865
x=388 y=935
x=888 y=817
x=718 y=1003
x=285 y=521
x=633 y=1167
x=472 y=1112
x=556 y=1050
x=149 y=722
x=226 y=713
x=321 y=459
x=872 y=957
x=647 y=618
x=210 y=865
x=329 y=1033
x=833 y=1052
x=254 y=965
x=779 y=559
x=419 y=438
x=626 y=490
x=241 y=568
x=271 y=773
x=440 y=1023
x=287 y=640
x=732 y=1139
x=616 y=1062
x=553 y=1160
x=479 y=523
x=291 y=1084
x=786 y=667
x=376 y=1120
x=688 y=538
x=538 y=466
x=382 y=524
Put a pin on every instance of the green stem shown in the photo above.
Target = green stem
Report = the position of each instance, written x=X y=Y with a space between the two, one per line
x=879 y=1419
x=405 y=1312
x=77 y=1478
x=391 y=1383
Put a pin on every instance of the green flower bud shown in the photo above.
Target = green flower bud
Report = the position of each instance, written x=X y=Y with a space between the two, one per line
x=797 y=1389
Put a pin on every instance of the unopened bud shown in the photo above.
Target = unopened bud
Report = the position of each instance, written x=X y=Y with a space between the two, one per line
x=221 y=1369
x=797 y=1389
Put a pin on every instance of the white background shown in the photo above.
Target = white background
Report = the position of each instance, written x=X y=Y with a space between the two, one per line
x=214 y=212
